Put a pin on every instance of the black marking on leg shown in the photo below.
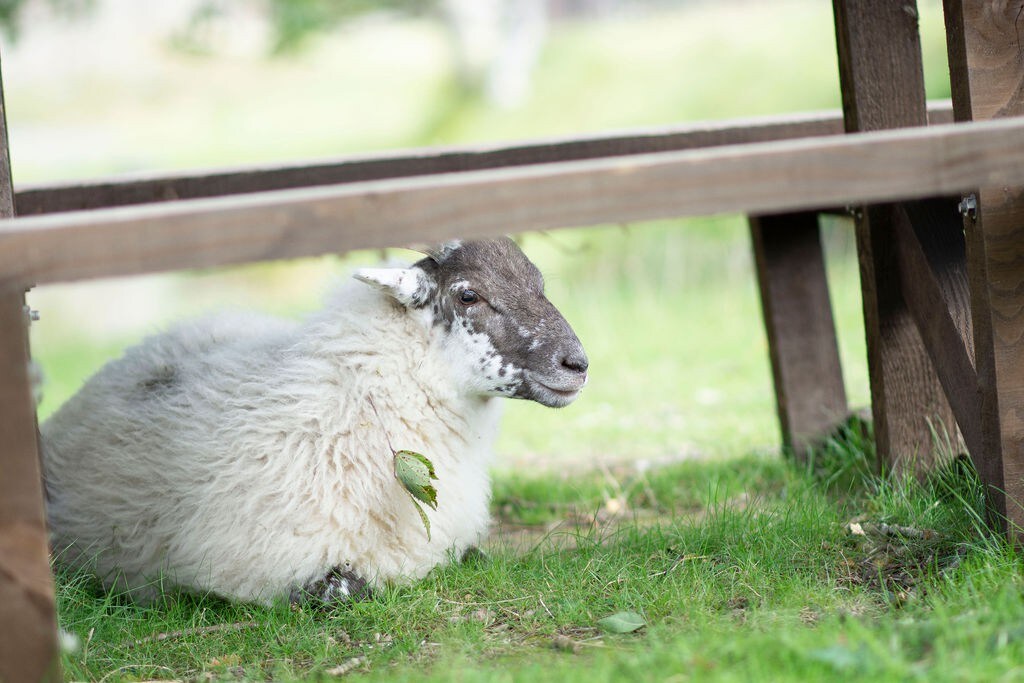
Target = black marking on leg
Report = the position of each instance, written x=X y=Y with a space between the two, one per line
x=340 y=585
x=473 y=556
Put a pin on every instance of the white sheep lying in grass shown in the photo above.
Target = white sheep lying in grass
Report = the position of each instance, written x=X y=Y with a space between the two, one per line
x=249 y=457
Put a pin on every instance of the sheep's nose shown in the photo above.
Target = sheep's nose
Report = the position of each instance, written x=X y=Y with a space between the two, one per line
x=576 y=361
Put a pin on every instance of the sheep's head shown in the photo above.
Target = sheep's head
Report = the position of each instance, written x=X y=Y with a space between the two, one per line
x=498 y=330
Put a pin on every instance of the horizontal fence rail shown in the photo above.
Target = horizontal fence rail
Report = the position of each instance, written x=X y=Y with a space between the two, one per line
x=213 y=183
x=756 y=178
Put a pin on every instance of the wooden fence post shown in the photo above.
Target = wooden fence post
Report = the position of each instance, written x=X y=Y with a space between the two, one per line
x=883 y=87
x=987 y=71
x=28 y=622
x=809 y=392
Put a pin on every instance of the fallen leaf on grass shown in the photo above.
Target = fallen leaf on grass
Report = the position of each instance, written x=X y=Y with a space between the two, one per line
x=622 y=622
x=226 y=660
x=345 y=668
x=809 y=616
x=565 y=643
x=860 y=527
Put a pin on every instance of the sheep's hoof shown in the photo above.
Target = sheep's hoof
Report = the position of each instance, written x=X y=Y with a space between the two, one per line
x=473 y=556
x=340 y=585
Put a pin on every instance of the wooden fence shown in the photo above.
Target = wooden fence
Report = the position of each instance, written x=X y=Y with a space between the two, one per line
x=942 y=276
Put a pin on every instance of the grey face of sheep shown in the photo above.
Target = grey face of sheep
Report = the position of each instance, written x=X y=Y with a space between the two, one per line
x=500 y=333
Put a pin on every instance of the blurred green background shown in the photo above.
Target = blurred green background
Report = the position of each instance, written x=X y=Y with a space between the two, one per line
x=668 y=311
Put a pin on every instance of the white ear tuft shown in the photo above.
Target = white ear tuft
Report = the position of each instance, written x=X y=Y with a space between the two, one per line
x=409 y=286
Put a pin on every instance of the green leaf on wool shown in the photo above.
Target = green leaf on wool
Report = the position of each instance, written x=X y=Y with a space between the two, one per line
x=415 y=471
x=423 y=517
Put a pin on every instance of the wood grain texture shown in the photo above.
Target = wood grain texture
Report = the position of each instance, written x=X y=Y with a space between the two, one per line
x=933 y=280
x=767 y=177
x=989 y=34
x=987 y=70
x=28 y=646
x=883 y=87
x=809 y=392
x=28 y=621
x=879 y=64
x=938 y=226
x=213 y=183
x=96 y=194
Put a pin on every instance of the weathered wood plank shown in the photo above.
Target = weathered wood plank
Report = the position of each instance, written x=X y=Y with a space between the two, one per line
x=809 y=392
x=933 y=280
x=883 y=87
x=28 y=648
x=984 y=41
x=28 y=621
x=761 y=178
x=118 y=192
x=987 y=74
x=212 y=183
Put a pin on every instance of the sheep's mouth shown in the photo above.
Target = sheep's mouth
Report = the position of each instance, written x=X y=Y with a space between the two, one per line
x=557 y=394
x=560 y=392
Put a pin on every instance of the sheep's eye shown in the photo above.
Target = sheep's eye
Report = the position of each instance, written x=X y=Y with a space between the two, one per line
x=468 y=297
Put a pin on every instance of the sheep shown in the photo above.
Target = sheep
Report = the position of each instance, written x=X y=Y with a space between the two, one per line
x=251 y=458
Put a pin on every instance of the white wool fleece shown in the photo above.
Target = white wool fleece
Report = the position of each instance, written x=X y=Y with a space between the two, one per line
x=240 y=454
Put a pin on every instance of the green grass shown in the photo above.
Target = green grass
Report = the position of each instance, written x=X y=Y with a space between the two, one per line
x=742 y=565
x=742 y=570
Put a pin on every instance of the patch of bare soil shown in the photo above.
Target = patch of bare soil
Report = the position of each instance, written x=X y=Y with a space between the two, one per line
x=892 y=559
x=575 y=524
x=566 y=533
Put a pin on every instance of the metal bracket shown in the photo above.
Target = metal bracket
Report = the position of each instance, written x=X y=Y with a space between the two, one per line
x=32 y=315
x=968 y=207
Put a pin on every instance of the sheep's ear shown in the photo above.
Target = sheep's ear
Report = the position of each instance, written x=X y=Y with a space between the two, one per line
x=410 y=287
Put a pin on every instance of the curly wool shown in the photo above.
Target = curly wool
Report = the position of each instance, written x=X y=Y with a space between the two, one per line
x=242 y=455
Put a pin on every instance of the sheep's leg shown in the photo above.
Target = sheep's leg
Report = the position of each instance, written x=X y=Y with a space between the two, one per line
x=473 y=555
x=340 y=584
